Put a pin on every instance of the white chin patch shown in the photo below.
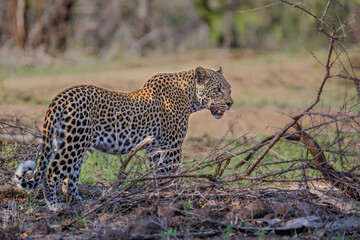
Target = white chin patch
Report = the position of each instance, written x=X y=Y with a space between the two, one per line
x=218 y=116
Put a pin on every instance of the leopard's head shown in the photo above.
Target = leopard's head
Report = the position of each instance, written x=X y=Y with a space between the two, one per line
x=213 y=91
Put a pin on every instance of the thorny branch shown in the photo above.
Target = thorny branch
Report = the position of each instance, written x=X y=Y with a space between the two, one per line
x=296 y=117
x=225 y=155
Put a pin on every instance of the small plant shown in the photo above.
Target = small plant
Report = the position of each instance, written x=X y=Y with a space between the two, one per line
x=260 y=233
x=6 y=150
x=169 y=234
x=80 y=221
x=246 y=224
x=188 y=206
x=226 y=232
x=339 y=237
x=30 y=200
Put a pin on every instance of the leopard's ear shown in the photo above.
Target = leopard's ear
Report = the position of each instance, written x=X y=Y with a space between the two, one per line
x=201 y=75
x=220 y=70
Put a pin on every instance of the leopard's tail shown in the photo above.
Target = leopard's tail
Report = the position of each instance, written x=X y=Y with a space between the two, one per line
x=44 y=157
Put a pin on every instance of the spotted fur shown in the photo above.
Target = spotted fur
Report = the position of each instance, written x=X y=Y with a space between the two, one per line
x=84 y=117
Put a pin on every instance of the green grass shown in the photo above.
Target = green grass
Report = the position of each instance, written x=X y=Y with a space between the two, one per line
x=86 y=64
x=54 y=69
x=292 y=154
x=99 y=167
x=270 y=163
x=103 y=168
x=57 y=68
x=27 y=98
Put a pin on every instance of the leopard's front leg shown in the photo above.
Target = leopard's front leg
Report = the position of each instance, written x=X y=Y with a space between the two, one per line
x=166 y=160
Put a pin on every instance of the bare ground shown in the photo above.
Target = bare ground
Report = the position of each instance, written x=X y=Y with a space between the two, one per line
x=265 y=88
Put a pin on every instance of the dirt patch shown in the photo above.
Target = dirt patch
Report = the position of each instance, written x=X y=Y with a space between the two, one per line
x=263 y=87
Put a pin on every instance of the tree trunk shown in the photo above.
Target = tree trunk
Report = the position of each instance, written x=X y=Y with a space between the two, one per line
x=229 y=40
x=17 y=16
x=52 y=29
x=144 y=11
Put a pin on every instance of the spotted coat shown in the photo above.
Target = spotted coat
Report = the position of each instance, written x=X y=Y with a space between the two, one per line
x=84 y=117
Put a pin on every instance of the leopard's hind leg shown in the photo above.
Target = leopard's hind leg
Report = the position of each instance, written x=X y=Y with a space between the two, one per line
x=72 y=141
x=70 y=184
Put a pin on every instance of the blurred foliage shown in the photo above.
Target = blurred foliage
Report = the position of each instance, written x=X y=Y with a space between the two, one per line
x=113 y=28
x=277 y=27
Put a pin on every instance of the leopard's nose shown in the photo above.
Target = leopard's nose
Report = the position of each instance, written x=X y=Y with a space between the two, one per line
x=229 y=104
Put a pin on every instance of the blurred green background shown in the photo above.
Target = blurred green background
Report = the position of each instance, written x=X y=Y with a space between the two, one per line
x=115 y=29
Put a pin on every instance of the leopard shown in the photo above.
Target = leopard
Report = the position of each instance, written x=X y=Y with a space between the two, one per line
x=88 y=117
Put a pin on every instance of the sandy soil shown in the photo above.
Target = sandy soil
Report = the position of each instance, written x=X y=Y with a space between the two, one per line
x=265 y=87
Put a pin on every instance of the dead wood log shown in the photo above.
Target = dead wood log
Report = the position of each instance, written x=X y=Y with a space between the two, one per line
x=343 y=205
x=27 y=139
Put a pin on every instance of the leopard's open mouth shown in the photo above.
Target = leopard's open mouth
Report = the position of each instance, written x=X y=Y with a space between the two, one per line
x=216 y=111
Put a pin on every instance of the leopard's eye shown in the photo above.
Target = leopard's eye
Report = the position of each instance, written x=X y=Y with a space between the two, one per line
x=217 y=89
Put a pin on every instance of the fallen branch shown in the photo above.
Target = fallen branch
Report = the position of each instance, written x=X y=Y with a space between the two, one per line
x=178 y=235
x=122 y=175
x=341 y=204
